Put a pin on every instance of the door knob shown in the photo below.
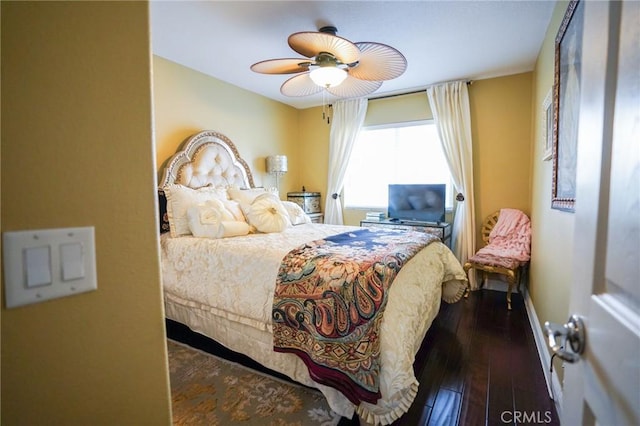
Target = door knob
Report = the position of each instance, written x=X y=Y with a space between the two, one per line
x=571 y=332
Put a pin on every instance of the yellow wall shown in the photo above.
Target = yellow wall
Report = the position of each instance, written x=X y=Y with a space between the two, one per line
x=77 y=151
x=552 y=230
x=501 y=133
x=187 y=101
x=314 y=152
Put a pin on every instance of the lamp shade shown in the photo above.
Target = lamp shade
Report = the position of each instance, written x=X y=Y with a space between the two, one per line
x=329 y=76
x=276 y=164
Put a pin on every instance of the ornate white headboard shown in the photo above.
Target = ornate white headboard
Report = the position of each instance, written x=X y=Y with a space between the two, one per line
x=207 y=158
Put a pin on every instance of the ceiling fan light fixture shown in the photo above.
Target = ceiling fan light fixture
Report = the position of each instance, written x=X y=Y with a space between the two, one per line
x=328 y=76
x=334 y=64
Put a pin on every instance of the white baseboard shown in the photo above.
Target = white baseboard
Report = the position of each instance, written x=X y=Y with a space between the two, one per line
x=553 y=382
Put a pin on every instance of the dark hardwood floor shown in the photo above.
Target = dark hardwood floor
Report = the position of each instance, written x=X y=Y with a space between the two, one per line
x=478 y=365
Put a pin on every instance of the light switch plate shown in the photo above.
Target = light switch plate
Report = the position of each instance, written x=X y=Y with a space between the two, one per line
x=70 y=253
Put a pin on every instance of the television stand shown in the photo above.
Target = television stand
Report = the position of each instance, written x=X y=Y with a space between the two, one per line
x=416 y=222
x=441 y=229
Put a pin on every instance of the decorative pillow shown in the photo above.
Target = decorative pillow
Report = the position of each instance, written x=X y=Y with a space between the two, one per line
x=162 y=210
x=209 y=221
x=245 y=196
x=204 y=220
x=233 y=228
x=268 y=214
x=236 y=211
x=180 y=198
x=297 y=216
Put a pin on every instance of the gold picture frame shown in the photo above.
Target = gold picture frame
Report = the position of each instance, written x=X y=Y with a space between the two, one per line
x=566 y=105
x=547 y=126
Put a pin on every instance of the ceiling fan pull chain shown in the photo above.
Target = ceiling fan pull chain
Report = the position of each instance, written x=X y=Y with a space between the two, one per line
x=325 y=115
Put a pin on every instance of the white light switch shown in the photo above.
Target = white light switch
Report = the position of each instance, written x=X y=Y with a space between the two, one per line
x=72 y=259
x=37 y=262
x=46 y=264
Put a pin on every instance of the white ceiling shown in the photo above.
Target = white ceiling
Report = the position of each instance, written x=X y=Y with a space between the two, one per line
x=442 y=40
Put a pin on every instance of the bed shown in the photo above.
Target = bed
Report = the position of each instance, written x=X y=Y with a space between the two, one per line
x=222 y=285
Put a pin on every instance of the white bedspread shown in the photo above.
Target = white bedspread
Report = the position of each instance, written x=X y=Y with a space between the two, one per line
x=223 y=288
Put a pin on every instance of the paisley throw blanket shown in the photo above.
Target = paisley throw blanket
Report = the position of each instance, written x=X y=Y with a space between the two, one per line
x=329 y=301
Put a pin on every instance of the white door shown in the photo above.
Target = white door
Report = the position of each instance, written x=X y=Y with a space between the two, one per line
x=603 y=385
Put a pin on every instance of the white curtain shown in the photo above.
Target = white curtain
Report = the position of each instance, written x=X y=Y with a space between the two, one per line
x=450 y=107
x=348 y=116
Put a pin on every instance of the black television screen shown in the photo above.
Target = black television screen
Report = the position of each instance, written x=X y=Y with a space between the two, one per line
x=417 y=202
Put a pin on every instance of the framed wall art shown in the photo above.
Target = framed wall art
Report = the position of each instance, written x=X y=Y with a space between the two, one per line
x=566 y=107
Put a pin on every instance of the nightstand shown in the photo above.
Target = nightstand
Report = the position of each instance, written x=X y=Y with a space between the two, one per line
x=310 y=204
x=316 y=217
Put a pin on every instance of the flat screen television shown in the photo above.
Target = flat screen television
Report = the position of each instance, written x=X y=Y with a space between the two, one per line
x=417 y=202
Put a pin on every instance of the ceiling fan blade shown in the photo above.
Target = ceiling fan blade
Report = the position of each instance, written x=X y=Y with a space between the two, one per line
x=282 y=66
x=310 y=44
x=353 y=88
x=378 y=62
x=300 y=85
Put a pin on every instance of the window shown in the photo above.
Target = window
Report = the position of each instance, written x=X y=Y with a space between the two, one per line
x=399 y=153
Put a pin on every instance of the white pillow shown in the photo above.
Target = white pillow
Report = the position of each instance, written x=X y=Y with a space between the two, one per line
x=268 y=214
x=236 y=211
x=245 y=196
x=180 y=198
x=297 y=216
x=208 y=221
x=233 y=228
x=220 y=206
x=204 y=220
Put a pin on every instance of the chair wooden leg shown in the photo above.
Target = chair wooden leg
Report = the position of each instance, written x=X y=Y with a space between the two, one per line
x=468 y=270
x=513 y=277
x=511 y=280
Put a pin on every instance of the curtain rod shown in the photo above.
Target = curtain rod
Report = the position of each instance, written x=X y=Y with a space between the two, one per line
x=397 y=94
x=469 y=82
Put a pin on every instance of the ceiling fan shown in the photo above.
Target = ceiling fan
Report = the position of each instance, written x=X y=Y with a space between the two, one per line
x=343 y=68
